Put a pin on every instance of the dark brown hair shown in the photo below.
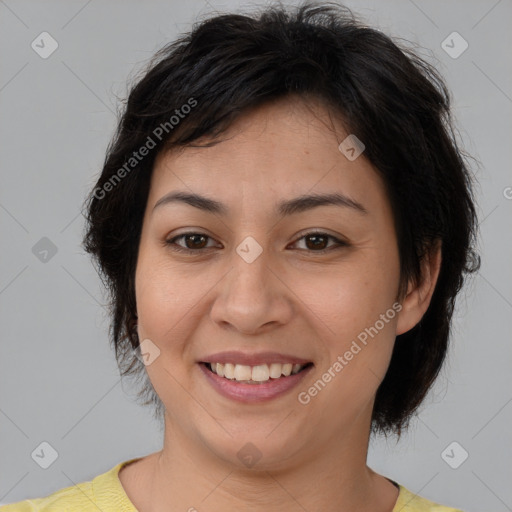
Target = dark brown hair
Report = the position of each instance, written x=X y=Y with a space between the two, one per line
x=385 y=94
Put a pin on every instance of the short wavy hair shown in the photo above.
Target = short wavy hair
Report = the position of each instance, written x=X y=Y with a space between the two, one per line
x=383 y=92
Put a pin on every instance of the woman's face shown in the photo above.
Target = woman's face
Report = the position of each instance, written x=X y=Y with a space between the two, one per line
x=257 y=281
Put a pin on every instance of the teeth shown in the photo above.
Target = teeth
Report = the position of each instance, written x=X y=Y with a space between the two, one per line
x=243 y=372
x=287 y=369
x=296 y=368
x=259 y=373
x=229 y=370
x=275 y=370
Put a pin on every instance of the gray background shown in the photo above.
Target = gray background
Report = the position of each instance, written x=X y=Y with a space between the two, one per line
x=58 y=378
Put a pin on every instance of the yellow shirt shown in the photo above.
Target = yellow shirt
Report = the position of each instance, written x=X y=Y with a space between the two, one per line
x=106 y=493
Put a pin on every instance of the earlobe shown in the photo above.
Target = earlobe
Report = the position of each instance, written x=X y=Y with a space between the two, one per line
x=419 y=295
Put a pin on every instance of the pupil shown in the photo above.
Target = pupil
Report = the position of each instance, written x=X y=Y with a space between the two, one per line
x=193 y=237
x=316 y=244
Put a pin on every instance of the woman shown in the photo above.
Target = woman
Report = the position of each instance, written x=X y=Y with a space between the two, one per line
x=284 y=220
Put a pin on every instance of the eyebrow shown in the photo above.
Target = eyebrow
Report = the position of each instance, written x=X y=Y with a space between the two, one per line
x=288 y=207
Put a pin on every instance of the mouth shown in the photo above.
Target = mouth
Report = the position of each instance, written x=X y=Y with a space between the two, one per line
x=258 y=374
x=254 y=384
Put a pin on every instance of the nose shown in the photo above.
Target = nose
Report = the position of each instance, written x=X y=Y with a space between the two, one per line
x=253 y=297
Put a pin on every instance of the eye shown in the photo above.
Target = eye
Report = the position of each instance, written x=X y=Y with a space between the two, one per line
x=194 y=242
x=315 y=241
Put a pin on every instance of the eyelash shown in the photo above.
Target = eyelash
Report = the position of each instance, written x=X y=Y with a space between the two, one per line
x=171 y=242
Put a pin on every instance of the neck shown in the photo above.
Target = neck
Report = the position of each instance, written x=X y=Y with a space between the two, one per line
x=328 y=472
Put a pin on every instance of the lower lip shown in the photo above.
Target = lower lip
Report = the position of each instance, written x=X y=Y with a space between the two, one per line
x=243 y=392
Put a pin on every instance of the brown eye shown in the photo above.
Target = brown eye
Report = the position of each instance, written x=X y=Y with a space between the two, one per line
x=193 y=242
x=197 y=242
x=316 y=241
x=319 y=242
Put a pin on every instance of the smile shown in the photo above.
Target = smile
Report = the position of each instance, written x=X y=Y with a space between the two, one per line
x=255 y=374
x=253 y=384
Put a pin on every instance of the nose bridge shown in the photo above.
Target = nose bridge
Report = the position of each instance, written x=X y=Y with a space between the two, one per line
x=251 y=295
x=252 y=261
x=250 y=286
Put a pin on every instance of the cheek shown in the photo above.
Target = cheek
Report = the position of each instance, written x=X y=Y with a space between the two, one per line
x=349 y=297
x=355 y=315
x=164 y=295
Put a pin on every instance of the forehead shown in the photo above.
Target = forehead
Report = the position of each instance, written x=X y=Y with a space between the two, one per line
x=279 y=150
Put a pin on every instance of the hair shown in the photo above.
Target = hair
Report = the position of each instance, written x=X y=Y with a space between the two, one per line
x=385 y=94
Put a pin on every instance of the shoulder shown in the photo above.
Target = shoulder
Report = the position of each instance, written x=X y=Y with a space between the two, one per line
x=104 y=493
x=410 y=502
x=77 y=497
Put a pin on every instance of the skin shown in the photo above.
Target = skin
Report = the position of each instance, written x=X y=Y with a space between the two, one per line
x=291 y=299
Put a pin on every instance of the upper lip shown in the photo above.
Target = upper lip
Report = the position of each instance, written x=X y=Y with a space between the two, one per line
x=237 y=357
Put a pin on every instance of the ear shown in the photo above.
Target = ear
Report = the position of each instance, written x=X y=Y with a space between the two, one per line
x=418 y=296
